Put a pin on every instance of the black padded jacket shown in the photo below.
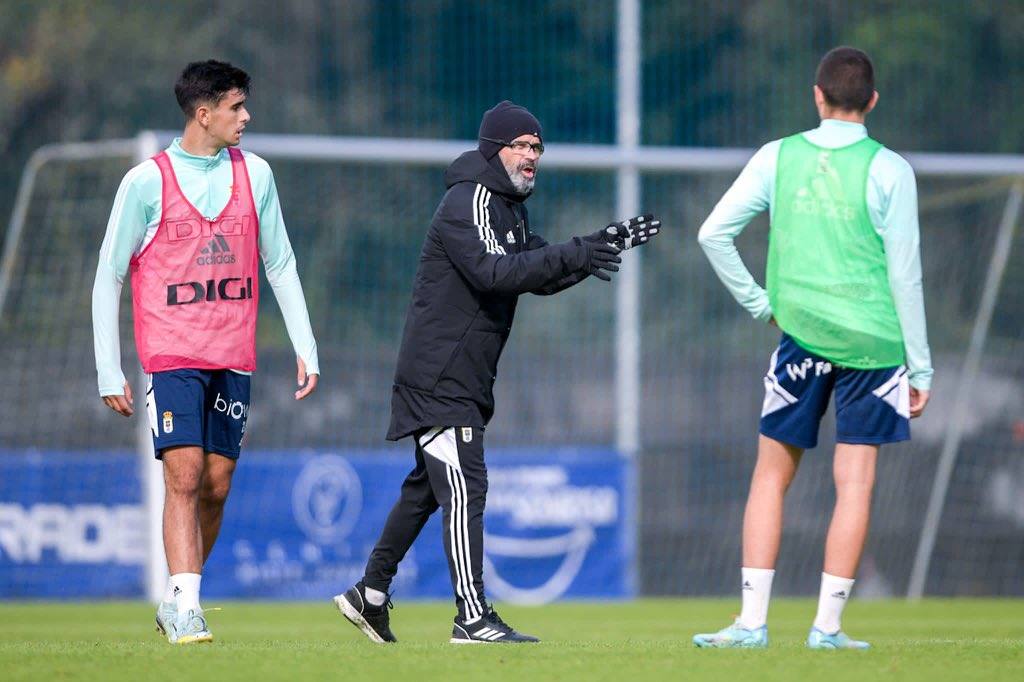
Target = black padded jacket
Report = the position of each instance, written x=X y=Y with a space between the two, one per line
x=478 y=257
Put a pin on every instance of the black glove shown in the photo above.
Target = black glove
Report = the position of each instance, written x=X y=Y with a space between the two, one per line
x=629 y=233
x=596 y=256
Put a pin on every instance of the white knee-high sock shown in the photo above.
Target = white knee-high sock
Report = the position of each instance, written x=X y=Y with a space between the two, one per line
x=756 y=592
x=187 y=589
x=835 y=592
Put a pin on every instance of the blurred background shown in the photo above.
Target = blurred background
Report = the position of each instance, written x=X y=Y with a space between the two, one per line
x=662 y=518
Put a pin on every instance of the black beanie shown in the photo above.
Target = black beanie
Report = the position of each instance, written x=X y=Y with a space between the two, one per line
x=506 y=121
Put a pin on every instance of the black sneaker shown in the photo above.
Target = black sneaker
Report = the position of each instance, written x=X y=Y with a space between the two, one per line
x=374 y=621
x=490 y=629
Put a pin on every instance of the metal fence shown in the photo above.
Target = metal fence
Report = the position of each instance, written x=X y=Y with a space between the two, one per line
x=663 y=364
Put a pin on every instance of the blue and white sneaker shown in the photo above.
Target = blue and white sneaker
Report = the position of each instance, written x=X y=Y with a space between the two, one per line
x=166 y=615
x=733 y=637
x=190 y=628
x=817 y=639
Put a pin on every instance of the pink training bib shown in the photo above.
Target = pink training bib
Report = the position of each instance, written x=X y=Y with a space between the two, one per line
x=195 y=285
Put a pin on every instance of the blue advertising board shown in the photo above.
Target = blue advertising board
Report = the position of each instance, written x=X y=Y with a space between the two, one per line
x=299 y=525
x=71 y=525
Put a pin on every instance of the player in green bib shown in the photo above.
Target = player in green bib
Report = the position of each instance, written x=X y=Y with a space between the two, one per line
x=827 y=277
x=844 y=286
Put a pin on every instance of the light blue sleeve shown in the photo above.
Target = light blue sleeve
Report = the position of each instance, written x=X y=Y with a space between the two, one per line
x=749 y=195
x=279 y=262
x=126 y=231
x=892 y=201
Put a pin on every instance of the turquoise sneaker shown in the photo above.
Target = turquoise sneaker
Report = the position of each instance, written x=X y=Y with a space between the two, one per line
x=166 y=614
x=819 y=640
x=734 y=636
x=190 y=628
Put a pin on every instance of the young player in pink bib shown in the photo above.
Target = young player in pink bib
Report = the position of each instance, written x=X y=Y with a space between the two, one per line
x=190 y=225
x=187 y=315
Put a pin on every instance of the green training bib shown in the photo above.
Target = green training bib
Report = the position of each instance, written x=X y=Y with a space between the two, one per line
x=827 y=277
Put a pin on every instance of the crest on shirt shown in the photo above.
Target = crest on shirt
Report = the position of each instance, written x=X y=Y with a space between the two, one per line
x=467 y=434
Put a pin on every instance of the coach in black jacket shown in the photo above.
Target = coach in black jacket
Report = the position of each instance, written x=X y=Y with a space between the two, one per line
x=478 y=257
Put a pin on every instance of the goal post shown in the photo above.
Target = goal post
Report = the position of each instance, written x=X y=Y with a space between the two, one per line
x=629 y=171
x=962 y=402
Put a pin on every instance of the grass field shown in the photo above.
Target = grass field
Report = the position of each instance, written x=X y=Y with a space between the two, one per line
x=649 y=640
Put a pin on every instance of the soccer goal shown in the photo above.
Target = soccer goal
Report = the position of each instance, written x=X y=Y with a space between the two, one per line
x=661 y=366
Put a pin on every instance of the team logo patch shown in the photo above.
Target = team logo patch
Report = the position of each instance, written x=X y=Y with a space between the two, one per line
x=168 y=422
x=467 y=434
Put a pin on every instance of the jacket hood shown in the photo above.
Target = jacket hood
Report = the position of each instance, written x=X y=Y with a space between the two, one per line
x=471 y=166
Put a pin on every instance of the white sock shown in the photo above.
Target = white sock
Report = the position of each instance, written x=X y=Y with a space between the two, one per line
x=375 y=597
x=169 y=592
x=835 y=592
x=756 y=591
x=187 y=588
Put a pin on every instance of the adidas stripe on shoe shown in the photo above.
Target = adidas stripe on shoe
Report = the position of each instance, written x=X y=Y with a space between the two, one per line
x=488 y=629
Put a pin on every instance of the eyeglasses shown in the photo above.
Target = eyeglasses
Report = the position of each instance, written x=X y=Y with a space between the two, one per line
x=520 y=146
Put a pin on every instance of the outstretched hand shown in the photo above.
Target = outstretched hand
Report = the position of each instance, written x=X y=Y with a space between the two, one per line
x=603 y=257
x=633 y=232
x=307 y=382
x=603 y=246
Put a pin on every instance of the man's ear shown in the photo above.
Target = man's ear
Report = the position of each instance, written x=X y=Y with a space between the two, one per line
x=871 y=103
x=819 y=96
x=203 y=115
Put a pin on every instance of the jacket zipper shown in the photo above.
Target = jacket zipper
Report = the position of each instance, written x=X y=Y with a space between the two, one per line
x=521 y=224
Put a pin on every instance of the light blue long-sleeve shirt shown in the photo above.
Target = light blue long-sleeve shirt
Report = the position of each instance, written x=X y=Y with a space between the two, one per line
x=134 y=218
x=892 y=207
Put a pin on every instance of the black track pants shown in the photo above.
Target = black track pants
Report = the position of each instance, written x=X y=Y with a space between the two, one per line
x=449 y=473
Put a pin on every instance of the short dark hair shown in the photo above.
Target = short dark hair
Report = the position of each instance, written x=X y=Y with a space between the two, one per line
x=208 y=82
x=847 y=78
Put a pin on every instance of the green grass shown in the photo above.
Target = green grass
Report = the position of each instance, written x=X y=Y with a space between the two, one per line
x=649 y=639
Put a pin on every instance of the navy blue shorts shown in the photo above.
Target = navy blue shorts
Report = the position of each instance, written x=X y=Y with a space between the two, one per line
x=205 y=408
x=872 y=405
